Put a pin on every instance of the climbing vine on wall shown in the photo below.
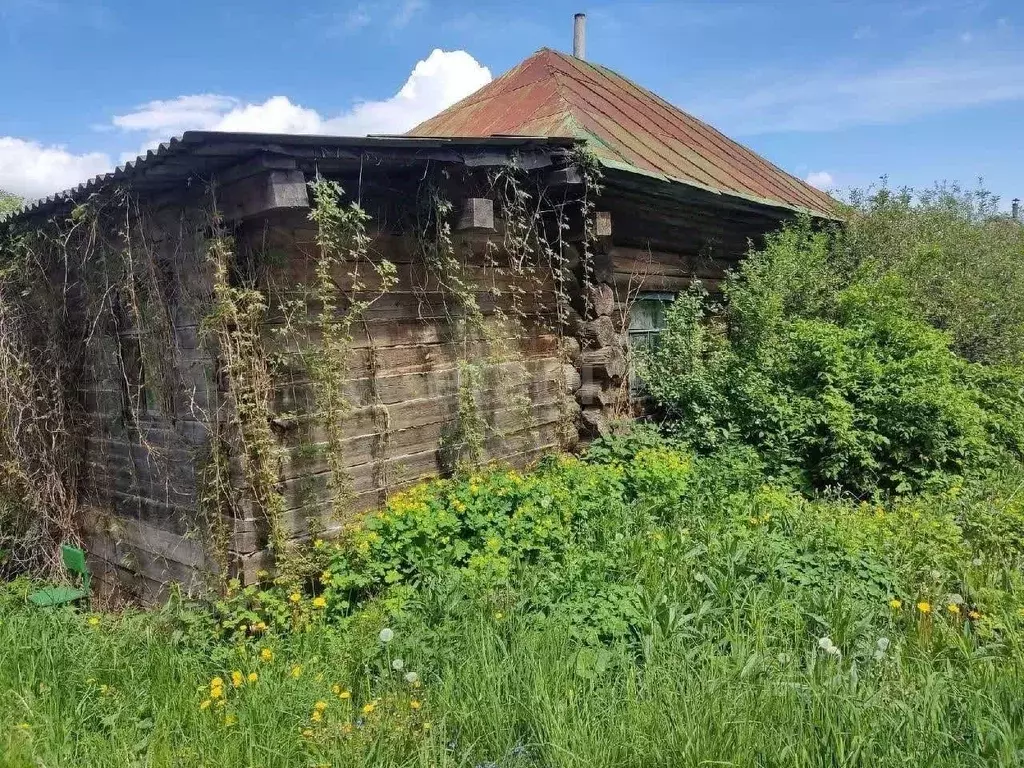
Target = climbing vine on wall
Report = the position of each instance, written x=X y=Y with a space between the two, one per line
x=95 y=285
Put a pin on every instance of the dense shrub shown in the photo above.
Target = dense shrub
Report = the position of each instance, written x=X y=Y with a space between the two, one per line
x=841 y=381
x=961 y=261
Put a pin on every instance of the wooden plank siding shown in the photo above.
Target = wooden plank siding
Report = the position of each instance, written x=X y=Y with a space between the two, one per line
x=142 y=479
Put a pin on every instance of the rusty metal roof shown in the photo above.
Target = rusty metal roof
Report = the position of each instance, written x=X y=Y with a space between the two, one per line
x=628 y=128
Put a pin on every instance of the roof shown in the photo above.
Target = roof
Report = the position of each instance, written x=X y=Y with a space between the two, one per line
x=199 y=155
x=628 y=127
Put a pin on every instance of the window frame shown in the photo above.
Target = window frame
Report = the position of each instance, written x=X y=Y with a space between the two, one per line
x=650 y=335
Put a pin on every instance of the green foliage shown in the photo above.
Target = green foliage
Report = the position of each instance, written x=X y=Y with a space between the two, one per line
x=553 y=618
x=9 y=203
x=841 y=381
x=962 y=263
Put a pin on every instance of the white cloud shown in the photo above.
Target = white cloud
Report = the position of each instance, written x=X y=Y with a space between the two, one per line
x=839 y=99
x=820 y=179
x=406 y=11
x=357 y=18
x=435 y=83
x=173 y=116
x=30 y=169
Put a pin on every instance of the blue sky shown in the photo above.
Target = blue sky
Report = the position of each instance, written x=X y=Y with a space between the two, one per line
x=839 y=92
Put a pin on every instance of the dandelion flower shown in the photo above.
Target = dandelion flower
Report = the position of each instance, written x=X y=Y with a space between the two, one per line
x=217 y=682
x=317 y=716
x=414 y=704
x=826 y=644
x=206 y=704
x=307 y=732
x=94 y=621
x=319 y=602
x=266 y=654
x=386 y=635
x=345 y=695
x=295 y=597
x=398 y=665
x=368 y=707
x=320 y=706
x=895 y=604
x=924 y=607
x=973 y=615
x=296 y=671
x=336 y=690
x=253 y=677
x=237 y=679
x=411 y=677
x=230 y=719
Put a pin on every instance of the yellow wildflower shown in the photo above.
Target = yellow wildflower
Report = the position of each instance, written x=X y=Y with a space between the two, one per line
x=953 y=608
x=414 y=704
x=317 y=716
x=325 y=577
x=296 y=671
x=426 y=726
x=237 y=679
x=345 y=695
x=253 y=677
x=216 y=693
x=320 y=706
x=230 y=719
x=206 y=704
x=368 y=707
x=307 y=732
x=895 y=604
x=266 y=654
x=94 y=621
x=973 y=615
x=924 y=607
x=499 y=615
x=295 y=597
x=336 y=689
x=319 y=602
x=217 y=682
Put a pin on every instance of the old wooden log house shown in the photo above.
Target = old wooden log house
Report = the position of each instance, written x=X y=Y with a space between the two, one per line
x=261 y=335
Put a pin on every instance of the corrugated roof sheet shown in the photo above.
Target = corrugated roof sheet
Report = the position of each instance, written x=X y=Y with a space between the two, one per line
x=627 y=127
x=198 y=154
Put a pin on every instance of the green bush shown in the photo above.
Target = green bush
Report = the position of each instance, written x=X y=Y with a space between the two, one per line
x=961 y=261
x=847 y=386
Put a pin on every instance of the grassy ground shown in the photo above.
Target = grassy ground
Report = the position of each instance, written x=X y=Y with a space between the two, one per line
x=650 y=609
x=123 y=692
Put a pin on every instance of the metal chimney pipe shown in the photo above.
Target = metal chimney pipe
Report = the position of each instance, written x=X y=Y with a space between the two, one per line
x=1015 y=208
x=579 y=36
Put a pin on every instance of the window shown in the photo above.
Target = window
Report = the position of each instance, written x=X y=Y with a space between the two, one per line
x=646 y=322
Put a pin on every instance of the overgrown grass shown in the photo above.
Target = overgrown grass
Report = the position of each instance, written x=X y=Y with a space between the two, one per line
x=689 y=613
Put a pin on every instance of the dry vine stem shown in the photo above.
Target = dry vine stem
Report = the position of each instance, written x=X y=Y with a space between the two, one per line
x=97 y=297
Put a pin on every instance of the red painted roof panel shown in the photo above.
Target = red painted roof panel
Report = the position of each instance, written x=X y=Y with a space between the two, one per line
x=552 y=94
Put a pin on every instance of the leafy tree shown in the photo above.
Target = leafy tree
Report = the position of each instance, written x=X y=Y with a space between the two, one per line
x=961 y=262
x=8 y=203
